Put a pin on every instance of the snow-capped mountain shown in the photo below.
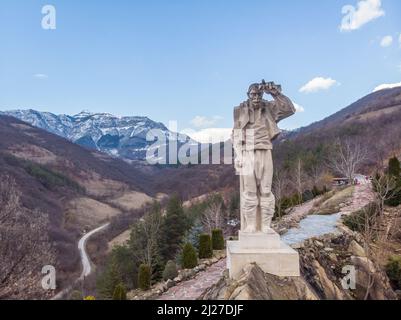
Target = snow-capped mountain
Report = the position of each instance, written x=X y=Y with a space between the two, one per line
x=123 y=137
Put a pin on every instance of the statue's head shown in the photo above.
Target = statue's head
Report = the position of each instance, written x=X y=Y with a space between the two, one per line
x=255 y=94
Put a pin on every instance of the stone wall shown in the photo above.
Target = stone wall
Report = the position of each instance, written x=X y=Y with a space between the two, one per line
x=183 y=275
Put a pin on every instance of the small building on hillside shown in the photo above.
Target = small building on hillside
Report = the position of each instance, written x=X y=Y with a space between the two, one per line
x=357 y=180
x=338 y=182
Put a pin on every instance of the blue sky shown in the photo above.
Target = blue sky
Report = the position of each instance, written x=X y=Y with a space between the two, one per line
x=185 y=60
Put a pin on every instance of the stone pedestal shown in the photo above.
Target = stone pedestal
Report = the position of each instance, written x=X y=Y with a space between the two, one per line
x=266 y=250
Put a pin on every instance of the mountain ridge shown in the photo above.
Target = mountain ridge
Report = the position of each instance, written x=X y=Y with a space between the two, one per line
x=387 y=97
x=120 y=136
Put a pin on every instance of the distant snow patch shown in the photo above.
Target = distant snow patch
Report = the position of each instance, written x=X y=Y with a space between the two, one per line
x=387 y=86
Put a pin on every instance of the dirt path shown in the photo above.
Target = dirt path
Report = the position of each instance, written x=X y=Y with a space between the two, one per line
x=194 y=288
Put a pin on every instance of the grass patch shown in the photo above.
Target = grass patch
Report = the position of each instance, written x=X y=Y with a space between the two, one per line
x=331 y=201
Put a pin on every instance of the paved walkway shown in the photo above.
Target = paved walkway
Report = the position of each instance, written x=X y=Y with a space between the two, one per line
x=361 y=197
x=194 y=288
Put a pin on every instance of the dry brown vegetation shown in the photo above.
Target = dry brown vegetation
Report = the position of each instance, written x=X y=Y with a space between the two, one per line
x=24 y=245
x=120 y=240
x=331 y=202
x=88 y=212
x=131 y=200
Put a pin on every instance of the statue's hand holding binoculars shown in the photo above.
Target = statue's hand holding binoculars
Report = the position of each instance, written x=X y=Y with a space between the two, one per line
x=270 y=88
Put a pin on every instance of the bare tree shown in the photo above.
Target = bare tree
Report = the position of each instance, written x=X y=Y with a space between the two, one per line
x=385 y=189
x=316 y=172
x=213 y=217
x=279 y=185
x=24 y=244
x=347 y=158
x=145 y=237
x=298 y=179
x=151 y=227
x=366 y=222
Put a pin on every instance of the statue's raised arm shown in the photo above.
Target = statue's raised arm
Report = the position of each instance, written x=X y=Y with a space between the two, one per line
x=282 y=106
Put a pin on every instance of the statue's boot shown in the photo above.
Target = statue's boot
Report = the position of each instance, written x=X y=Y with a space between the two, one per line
x=249 y=208
x=267 y=208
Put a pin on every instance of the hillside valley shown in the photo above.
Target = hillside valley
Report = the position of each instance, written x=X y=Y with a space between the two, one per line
x=75 y=186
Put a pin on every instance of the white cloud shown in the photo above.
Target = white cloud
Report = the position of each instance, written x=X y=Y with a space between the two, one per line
x=317 y=84
x=204 y=122
x=386 y=41
x=40 y=76
x=210 y=135
x=366 y=11
x=387 y=86
x=399 y=40
x=298 y=107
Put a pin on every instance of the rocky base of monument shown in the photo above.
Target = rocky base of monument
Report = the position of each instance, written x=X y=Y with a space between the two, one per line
x=255 y=284
x=266 y=250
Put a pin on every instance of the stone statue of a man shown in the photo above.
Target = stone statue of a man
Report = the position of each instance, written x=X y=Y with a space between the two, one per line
x=255 y=127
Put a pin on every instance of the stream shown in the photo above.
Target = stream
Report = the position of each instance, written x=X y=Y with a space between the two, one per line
x=310 y=227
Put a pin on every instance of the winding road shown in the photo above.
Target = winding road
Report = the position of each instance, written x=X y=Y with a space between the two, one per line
x=85 y=261
x=86 y=264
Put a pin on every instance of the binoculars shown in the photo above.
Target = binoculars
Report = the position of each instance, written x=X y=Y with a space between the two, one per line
x=266 y=87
